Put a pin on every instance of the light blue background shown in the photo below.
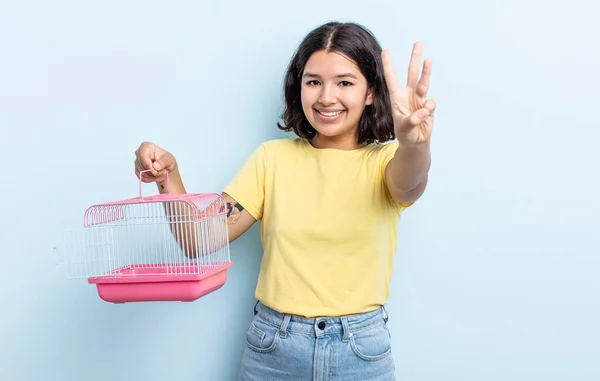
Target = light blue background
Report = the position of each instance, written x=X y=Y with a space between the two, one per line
x=496 y=275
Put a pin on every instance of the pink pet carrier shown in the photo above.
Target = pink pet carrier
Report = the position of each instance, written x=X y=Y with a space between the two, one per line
x=158 y=248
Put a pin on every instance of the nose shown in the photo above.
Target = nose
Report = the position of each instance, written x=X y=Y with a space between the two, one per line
x=327 y=96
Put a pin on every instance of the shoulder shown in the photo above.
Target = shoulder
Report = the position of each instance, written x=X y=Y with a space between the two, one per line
x=382 y=151
x=283 y=142
x=386 y=147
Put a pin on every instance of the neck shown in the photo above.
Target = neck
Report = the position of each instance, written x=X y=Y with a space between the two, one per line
x=345 y=142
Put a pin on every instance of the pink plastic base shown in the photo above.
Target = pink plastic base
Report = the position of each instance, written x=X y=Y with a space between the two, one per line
x=153 y=285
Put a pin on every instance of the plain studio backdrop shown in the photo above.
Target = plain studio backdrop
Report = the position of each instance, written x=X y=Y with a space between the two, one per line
x=496 y=273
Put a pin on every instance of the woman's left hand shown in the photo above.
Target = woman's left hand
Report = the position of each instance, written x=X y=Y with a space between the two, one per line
x=412 y=111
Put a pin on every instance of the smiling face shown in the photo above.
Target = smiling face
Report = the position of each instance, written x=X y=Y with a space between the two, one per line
x=334 y=94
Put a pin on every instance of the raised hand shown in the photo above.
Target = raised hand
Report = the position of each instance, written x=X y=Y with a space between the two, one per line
x=151 y=157
x=412 y=111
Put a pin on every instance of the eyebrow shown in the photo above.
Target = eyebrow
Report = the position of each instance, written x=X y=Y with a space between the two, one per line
x=345 y=75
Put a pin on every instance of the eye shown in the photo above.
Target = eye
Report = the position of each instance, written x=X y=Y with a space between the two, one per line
x=345 y=84
x=314 y=82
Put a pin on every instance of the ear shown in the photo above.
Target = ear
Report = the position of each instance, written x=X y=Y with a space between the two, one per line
x=370 y=96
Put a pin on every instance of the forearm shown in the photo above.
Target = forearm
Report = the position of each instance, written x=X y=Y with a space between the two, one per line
x=408 y=170
x=180 y=217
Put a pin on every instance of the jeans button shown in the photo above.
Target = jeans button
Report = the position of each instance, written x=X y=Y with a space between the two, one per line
x=321 y=325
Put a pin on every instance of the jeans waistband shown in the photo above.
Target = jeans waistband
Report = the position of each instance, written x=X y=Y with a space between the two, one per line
x=321 y=325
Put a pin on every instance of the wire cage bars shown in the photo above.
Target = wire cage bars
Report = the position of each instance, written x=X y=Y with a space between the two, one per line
x=159 y=248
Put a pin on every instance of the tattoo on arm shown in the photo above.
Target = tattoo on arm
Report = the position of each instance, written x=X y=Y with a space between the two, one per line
x=234 y=211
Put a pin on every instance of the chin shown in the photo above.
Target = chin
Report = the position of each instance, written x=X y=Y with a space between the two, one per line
x=329 y=130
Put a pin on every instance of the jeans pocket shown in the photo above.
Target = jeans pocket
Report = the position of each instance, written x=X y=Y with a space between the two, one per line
x=262 y=337
x=371 y=344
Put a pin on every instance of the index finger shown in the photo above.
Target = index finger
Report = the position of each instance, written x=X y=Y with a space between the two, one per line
x=390 y=75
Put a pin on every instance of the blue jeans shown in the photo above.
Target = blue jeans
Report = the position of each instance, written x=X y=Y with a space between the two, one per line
x=286 y=347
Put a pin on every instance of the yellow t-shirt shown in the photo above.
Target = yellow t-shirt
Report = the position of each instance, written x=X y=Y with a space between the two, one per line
x=327 y=222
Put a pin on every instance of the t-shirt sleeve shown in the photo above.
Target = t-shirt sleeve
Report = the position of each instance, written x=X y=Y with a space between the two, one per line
x=248 y=185
x=387 y=154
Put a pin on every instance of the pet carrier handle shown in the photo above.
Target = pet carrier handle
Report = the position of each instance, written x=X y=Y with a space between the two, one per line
x=150 y=170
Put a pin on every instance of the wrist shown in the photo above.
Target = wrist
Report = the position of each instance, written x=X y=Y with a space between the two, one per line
x=170 y=182
x=410 y=147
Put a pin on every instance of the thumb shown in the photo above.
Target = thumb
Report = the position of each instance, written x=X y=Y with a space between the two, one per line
x=156 y=160
x=416 y=118
x=162 y=162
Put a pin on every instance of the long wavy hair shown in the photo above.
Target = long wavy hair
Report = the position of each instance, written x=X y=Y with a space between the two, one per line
x=360 y=45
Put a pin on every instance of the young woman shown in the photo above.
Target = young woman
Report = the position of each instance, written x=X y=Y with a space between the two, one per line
x=329 y=200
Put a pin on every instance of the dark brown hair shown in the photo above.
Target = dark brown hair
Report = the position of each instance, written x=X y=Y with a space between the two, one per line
x=357 y=43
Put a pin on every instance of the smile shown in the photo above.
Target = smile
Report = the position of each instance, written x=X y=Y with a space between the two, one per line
x=329 y=114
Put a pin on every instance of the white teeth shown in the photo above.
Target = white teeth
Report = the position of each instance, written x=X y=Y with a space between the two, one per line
x=334 y=113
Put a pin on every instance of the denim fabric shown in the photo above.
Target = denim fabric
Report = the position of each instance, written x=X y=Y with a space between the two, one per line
x=286 y=347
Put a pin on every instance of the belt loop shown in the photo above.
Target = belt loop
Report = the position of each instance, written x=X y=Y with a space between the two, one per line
x=345 y=329
x=255 y=309
x=284 y=325
x=385 y=314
